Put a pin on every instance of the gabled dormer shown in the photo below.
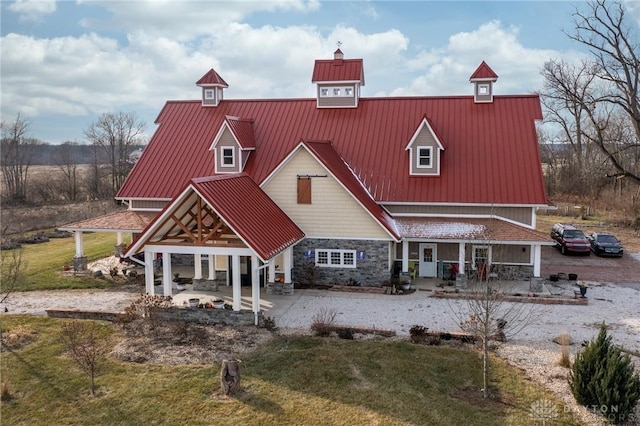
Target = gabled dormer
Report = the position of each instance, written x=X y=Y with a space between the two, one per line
x=233 y=144
x=212 y=86
x=425 y=147
x=483 y=78
x=338 y=81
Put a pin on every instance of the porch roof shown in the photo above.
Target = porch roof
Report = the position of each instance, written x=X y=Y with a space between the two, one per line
x=468 y=229
x=122 y=221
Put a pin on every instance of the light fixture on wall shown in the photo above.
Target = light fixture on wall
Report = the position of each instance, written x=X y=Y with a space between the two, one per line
x=309 y=253
x=361 y=255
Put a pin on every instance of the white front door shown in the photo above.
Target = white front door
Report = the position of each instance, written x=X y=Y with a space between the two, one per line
x=427 y=265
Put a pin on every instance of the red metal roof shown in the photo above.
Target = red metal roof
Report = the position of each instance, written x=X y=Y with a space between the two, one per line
x=242 y=129
x=483 y=72
x=327 y=155
x=327 y=70
x=254 y=216
x=491 y=154
x=212 y=78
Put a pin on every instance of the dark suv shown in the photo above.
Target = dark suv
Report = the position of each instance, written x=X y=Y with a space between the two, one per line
x=570 y=239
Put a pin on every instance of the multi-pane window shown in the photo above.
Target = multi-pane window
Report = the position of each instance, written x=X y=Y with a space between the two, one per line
x=228 y=157
x=336 y=91
x=481 y=255
x=336 y=258
x=208 y=94
x=425 y=156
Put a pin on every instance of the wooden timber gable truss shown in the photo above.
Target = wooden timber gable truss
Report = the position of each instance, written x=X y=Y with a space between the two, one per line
x=199 y=225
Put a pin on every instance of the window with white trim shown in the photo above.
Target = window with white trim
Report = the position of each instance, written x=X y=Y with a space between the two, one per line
x=425 y=156
x=228 y=157
x=208 y=94
x=483 y=89
x=336 y=258
x=324 y=92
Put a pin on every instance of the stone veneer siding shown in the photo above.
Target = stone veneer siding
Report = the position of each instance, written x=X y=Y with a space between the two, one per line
x=373 y=270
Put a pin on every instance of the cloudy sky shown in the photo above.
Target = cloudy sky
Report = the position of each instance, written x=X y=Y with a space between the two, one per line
x=63 y=63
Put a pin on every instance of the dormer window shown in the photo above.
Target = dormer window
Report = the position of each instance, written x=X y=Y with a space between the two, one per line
x=338 y=81
x=228 y=157
x=336 y=91
x=209 y=94
x=483 y=79
x=324 y=92
x=348 y=91
x=212 y=88
x=425 y=157
x=425 y=150
x=483 y=89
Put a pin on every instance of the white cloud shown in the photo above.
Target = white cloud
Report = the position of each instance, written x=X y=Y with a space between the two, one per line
x=32 y=10
x=447 y=69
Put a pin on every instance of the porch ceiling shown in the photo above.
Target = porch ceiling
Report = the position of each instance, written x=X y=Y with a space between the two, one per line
x=467 y=229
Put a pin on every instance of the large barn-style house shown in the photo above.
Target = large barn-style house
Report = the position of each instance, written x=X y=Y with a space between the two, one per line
x=338 y=188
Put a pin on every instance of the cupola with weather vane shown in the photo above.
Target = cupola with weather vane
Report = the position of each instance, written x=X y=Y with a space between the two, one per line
x=338 y=81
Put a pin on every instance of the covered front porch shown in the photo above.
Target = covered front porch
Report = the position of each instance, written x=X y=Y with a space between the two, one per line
x=481 y=248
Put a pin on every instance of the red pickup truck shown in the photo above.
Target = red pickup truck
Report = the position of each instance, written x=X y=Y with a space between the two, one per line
x=570 y=239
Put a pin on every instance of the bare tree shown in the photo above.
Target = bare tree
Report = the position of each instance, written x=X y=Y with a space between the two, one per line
x=16 y=157
x=67 y=159
x=606 y=88
x=117 y=133
x=86 y=346
x=12 y=273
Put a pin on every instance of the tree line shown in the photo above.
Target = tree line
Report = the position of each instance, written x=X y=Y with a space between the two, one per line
x=94 y=169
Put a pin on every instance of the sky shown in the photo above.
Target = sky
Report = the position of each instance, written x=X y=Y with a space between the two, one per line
x=64 y=63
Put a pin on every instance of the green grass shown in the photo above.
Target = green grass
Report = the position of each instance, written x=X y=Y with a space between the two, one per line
x=292 y=380
x=45 y=261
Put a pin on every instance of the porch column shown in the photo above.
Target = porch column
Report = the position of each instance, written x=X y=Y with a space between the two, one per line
x=79 y=260
x=255 y=287
x=212 y=266
x=226 y=262
x=461 y=256
x=119 y=238
x=148 y=272
x=287 y=257
x=537 y=255
x=405 y=256
x=79 y=243
x=237 y=296
x=272 y=272
x=197 y=266
x=166 y=274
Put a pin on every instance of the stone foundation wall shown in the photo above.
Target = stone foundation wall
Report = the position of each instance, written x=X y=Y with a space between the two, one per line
x=372 y=270
x=280 y=288
x=207 y=316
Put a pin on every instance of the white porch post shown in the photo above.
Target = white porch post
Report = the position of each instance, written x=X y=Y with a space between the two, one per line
x=537 y=255
x=148 y=272
x=212 y=266
x=237 y=296
x=255 y=287
x=226 y=261
x=119 y=238
x=197 y=266
x=405 y=256
x=166 y=274
x=272 y=272
x=79 y=243
x=461 y=256
x=287 y=257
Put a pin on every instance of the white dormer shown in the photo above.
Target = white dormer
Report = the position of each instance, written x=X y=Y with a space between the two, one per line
x=483 y=78
x=338 y=81
x=424 y=149
x=212 y=86
x=233 y=144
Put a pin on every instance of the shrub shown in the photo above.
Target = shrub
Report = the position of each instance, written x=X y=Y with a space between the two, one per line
x=268 y=323
x=418 y=333
x=602 y=377
x=322 y=324
x=346 y=333
x=565 y=359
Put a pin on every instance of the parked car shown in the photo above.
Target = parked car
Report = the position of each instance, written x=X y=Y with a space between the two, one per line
x=570 y=239
x=605 y=245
